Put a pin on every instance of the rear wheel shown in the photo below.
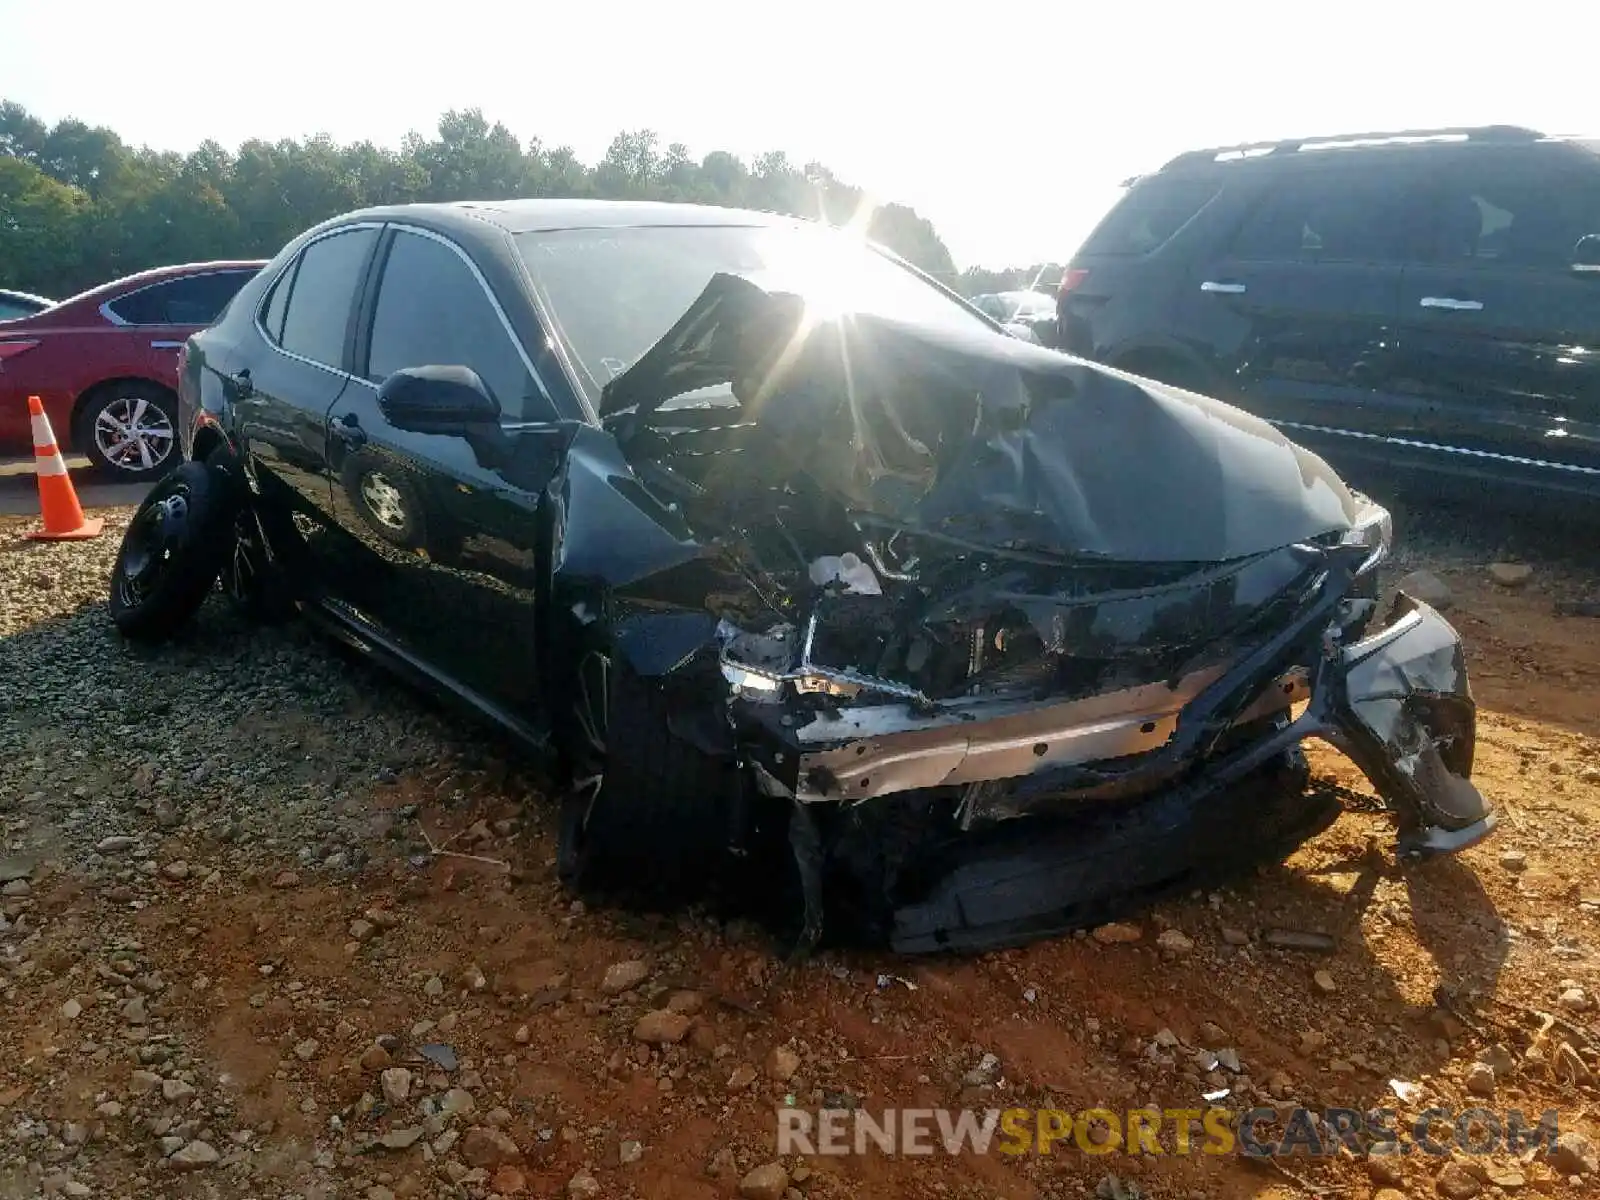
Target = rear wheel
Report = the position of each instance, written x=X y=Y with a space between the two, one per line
x=254 y=584
x=172 y=553
x=128 y=431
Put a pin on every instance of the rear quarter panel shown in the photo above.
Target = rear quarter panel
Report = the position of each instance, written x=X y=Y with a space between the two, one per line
x=67 y=363
x=203 y=409
x=212 y=354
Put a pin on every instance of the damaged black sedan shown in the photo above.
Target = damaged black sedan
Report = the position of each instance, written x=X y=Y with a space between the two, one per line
x=814 y=583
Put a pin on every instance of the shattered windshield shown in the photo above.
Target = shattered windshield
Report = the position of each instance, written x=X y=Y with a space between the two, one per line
x=613 y=293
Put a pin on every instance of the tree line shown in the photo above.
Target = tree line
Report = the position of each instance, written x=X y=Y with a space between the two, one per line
x=80 y=206
x=975 y=281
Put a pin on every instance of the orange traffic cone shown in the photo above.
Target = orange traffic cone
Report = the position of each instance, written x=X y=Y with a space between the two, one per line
x=58 y=502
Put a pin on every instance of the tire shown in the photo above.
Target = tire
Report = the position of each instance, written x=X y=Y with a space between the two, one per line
x=151 y=453
x=255 y=586
x=649 y=823
x=172 y=553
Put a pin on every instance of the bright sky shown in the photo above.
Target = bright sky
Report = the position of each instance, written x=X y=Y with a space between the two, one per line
x=1008 y=125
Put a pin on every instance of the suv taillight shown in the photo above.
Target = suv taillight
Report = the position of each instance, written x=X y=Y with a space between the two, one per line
x=1071 y=280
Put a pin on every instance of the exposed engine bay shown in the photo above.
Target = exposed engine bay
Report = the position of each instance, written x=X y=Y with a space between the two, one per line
x=976 y=583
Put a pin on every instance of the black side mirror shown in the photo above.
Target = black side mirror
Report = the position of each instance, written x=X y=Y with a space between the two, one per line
x=1586 y=254
x=445 y=400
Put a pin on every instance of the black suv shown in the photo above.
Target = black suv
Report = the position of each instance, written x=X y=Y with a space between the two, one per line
x=1427 y=301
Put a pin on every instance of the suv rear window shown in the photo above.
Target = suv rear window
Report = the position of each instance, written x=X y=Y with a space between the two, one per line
x=1149 y=215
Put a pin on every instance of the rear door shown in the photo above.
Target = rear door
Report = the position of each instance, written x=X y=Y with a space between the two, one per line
x=1298 y=303
x=1498 y=330
x=446 y=560
x=282 y=384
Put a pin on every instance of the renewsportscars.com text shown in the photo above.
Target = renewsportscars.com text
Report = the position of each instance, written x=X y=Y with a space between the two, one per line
x=1258 y=1133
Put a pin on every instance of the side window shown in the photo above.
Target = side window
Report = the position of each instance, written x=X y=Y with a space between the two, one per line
x=317 y=316
x=278 y=303
x=1499 y=215
x=1323 y=216
x=432 y=311
x=1148 y=216
x=194 y=300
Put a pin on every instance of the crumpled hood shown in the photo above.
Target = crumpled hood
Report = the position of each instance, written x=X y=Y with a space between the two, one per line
x=966 y=432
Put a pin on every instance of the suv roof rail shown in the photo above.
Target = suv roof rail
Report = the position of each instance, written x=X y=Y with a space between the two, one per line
x=1476 y=133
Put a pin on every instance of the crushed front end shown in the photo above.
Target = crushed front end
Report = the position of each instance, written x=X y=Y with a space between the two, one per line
x=1017 y=644
x=1019 y=766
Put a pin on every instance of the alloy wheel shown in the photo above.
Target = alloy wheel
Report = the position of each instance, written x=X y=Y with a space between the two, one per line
x=133 y=434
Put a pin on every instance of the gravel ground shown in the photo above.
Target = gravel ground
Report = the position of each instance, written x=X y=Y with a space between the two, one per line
x=272 y=926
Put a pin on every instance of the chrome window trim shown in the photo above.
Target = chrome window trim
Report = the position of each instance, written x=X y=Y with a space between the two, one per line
x=494 y=301
x=105 y=307
x=266 y=296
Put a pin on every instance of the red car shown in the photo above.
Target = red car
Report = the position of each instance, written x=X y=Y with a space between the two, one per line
x=106 y=365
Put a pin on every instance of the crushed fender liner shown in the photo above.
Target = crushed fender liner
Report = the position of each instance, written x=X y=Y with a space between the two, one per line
x=1012 y=640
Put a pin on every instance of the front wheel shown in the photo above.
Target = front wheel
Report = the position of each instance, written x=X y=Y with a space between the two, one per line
x=647 y=813
x=172 y=553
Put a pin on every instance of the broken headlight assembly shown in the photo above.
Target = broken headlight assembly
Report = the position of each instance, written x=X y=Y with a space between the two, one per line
x=1374 y=529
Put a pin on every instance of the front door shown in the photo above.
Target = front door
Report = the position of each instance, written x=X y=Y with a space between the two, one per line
x=1299 y=307
x=1499 y=334
x=448 y=562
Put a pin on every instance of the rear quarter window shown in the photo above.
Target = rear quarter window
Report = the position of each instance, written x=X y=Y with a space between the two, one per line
x=1149 y=215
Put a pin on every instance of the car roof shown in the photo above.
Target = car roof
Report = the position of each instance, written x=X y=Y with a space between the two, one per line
x=140 y=279
x=531 y=215
x=26 y=297
x=1292 y=152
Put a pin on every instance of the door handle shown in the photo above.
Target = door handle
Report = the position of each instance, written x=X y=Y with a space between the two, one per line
x=348 y=430
x=242 y=386
x=166 y=345
x=1226 y=289
x=1451 y=304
